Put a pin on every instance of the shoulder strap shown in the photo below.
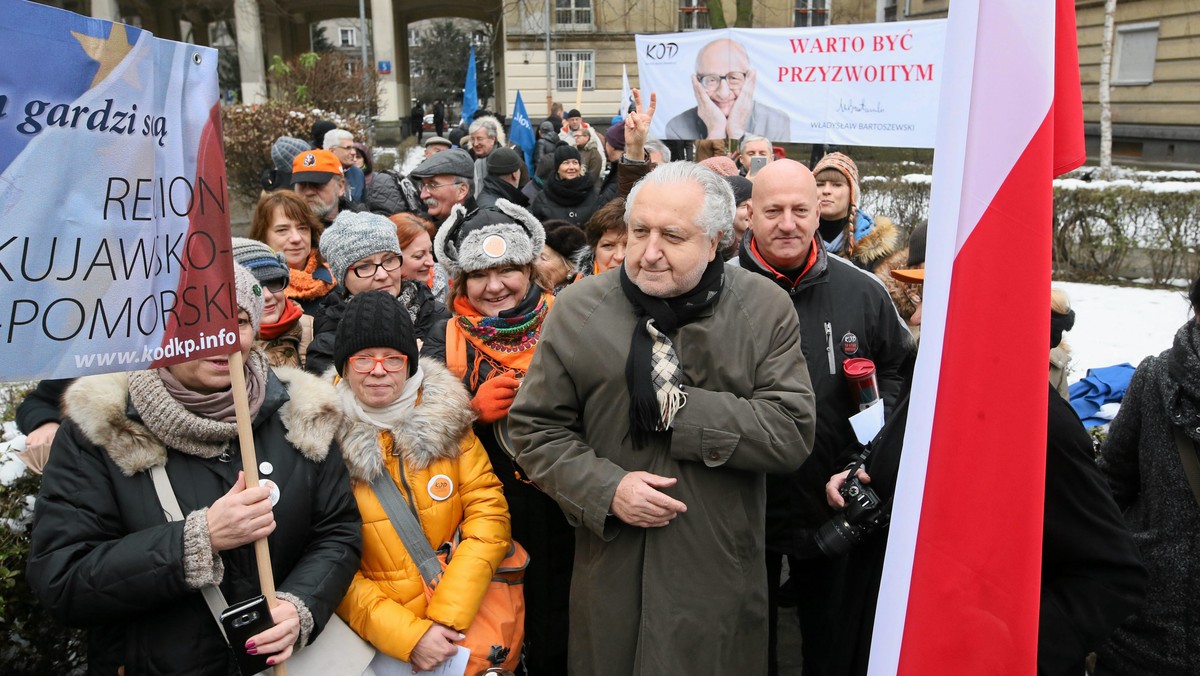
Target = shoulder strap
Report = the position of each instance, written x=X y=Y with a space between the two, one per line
x=1191 y=464
x=170 y=504
x=407 y=527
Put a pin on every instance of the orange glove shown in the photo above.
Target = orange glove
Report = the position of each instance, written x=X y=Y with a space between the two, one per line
x=495 y=397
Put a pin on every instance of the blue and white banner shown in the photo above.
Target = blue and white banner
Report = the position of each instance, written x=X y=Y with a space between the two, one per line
x=114 y=224
x=854 y=84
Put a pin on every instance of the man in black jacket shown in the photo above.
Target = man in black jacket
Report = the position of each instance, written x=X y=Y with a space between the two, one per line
x=504 y=175
x=844 y=313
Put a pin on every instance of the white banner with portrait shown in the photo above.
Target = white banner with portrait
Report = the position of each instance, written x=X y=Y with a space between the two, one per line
x=855 y=84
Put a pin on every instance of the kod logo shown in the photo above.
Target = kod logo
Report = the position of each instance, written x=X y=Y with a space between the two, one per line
x=661 y=50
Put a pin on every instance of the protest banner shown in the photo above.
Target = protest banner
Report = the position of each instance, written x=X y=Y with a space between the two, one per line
x=854 y=84
x=115 y=244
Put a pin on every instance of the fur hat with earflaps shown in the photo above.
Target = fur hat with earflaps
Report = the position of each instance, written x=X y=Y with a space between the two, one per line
x=490 y=237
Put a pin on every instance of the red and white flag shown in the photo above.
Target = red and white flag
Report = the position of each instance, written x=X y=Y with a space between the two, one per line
x=960 y=588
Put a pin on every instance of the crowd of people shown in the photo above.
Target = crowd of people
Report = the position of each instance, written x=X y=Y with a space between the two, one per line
x=634 y=368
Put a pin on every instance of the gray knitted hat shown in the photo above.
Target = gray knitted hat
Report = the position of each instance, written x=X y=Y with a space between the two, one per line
x=487 y=238
x=264 y=263
x=353 y=237
x=285 y=149
x=249 y=295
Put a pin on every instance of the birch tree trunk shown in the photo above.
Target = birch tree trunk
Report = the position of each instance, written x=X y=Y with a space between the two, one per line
x=1106 y=53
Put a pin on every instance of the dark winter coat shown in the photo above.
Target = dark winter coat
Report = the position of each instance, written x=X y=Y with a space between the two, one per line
x=1091 y=576
x=325 y=322
x=562 y=200
x=690 y=597
x=42 y=405
x=1142 y=463
x=844 y=312
x=543 y=151
x=495 y=188
x=103 y=555
x=610 y=188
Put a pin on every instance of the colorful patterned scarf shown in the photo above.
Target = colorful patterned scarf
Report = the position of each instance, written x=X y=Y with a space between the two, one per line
x=506 y=341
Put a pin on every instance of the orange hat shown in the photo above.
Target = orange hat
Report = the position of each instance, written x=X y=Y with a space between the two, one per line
x=315 y=166
x=913 y=276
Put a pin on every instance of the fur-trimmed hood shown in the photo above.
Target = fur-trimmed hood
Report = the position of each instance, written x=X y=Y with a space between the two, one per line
x=99 y=406
x=879 y=242
x=432 y=432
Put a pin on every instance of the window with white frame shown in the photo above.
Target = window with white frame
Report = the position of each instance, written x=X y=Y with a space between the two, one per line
x=573 y=14
x=566 y=69
x=1134 y=53
x=347 y=37
x=693 y=15
x=811 y=13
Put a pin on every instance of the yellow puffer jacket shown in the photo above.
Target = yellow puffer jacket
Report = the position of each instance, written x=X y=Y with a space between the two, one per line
x=386 y=603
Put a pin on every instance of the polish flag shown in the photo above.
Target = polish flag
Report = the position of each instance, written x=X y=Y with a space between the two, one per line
x=960 y=588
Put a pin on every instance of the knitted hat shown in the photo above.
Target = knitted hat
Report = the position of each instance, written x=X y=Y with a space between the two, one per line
x=742 y=187
x=721 y=164
x=374 y=319
x=315 y=166
x=285 y=149
x=438 y=141
x=546 y=127
x=353 y=237
x=486 y=238
x=615 y=136
x=249 y=295
x=844 y=166
x=564 y=152
x=573 y=113
x=565 y=238
x=368 y=163
x=266 y=265
x=319 y=129
x=502 y=162
x=453 y=162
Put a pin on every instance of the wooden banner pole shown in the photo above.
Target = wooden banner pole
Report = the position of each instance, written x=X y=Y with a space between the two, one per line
x=241 y=407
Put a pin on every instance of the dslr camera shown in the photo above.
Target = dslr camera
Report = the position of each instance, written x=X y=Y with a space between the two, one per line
x=863 y=515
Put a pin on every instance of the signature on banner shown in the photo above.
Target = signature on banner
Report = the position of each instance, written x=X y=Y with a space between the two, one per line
x=851 y=106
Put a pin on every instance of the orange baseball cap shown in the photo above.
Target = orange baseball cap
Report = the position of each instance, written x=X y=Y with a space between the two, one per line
x=315 y=166
x=915 y=276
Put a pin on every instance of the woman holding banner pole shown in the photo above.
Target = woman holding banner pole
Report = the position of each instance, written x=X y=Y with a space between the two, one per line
x=104 y=556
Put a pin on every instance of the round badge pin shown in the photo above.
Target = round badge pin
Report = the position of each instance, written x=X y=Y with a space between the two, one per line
x=494 y=246
x=265 y=467
x=440 y=487
x=274 y=492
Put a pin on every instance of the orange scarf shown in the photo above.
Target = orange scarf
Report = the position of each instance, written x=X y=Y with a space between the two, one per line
x=512 y=355
x=302 y=285
x=291 y=313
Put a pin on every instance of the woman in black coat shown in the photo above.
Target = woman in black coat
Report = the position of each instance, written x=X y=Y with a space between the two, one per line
x=569 y=195
x=103 y=556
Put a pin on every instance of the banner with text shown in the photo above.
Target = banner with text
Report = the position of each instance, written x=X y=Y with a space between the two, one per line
x=854 y=84
x=114 y=223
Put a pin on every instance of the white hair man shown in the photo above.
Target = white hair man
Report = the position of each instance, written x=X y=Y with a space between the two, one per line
x=341 y=143
x=653 y=472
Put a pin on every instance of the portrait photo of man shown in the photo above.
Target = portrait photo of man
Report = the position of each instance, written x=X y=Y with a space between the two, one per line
x=723 y=84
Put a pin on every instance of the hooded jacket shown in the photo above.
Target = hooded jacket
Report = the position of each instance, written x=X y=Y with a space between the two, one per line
x=103 y=556
x=386 y=603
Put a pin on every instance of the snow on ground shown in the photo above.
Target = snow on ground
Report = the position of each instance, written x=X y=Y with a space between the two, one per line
x=1115 y=324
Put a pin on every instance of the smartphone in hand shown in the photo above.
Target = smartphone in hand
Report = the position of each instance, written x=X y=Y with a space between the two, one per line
x=756 y=163
x=242 y=621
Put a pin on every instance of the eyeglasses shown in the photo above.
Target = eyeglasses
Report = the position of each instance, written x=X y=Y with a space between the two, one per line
x=343 y=148
x=366 y=270
x=430 y=187
x=275 y=285
x=711 y=82
x=392 y=363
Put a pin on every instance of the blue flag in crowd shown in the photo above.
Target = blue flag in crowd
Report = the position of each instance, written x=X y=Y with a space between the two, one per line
x=520 y=130
x=470 y=92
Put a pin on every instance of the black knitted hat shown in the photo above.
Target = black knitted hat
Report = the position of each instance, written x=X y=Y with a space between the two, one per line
x=374 y=319
x=564 y=152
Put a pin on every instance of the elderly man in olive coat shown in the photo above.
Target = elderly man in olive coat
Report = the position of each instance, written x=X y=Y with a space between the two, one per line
x=660 y=395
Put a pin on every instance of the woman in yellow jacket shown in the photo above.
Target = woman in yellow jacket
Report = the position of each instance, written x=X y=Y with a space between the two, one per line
x=413 y=421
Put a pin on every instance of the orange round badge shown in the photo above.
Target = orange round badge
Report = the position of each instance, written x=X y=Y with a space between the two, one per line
x=440 y=487
x=494 y=246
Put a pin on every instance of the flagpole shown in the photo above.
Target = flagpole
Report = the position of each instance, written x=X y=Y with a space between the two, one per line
x=549 y=78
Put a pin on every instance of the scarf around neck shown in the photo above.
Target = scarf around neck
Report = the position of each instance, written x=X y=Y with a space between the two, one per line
x=653 y=372
x=388 y=417
x=302 y=285
x=291 y=314
x=569 y=192
x=508 y=340
x=197 y=424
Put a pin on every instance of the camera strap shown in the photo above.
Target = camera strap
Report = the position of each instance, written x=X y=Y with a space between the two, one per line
x=170 y=504
x=1191 y=463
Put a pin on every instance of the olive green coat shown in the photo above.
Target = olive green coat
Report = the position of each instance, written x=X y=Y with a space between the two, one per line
x=690 y=597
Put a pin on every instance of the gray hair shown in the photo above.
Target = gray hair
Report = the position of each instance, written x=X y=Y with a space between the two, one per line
x=747 y=140
x=335 y=136
x=716 y=213
x=484 y=124
x=654 y=145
